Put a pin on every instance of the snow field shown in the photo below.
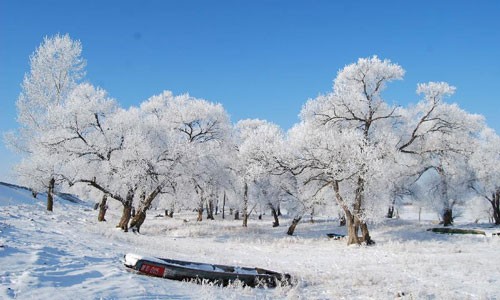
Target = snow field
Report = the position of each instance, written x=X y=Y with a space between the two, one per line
x=68 y=254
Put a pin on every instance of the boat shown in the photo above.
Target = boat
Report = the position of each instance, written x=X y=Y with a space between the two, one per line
x=203 y=272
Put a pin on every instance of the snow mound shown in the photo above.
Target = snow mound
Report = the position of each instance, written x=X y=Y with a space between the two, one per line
x=11 y=194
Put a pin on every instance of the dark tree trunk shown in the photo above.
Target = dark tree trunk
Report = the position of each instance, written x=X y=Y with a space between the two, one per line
x=276 y=222
x=447 y=217
x=50 y=195
x=103 y=206
x=390 y=212
x=237 y=215
x=312 y=215
x=216 y=206
x=294 y=224
x=210 y=210
x=224 y=205
x=245 y=205
x=365 y=234
x=172 y=208
x=495 y=203
x=342 y=220
x=279 y=210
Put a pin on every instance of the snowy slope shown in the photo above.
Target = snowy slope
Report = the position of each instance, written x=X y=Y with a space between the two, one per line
x=68 y=254
x=14 y=195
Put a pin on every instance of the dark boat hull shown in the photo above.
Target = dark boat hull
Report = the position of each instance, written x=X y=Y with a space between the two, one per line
x=200 y=272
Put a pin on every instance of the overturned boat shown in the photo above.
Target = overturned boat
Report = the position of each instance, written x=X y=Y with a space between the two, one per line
x=202 y=272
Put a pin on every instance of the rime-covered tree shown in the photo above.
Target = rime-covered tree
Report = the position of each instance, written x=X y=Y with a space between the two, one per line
x=86 y=137
x=485 y=162
x=347 y=141
x=258 y=143
x=365 y=149
x=56 y=67
x=440 y=140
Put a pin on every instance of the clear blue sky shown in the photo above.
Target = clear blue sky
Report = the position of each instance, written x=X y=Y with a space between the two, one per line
x=260 y=59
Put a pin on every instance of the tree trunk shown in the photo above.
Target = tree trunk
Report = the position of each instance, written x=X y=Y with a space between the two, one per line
x=210 y=210
x=448 y=208
x=352 y=229
x=126 y=214
x=103 y=206
x=353 y=218
x=200 y=214
x=342 y=220
x=276 y=222
x=279 y=210
x=127 y=211
x=245 y=205
x=137 y=221
x=495 y=203
x=294 y=224
x=200 y=192
x=140 y=216
x=237 y=215
x=50 y=194
x=171 y=212
x=224 y=205
x=312 y=216
x=447 y=217
x=365 y=234
x=390 y=212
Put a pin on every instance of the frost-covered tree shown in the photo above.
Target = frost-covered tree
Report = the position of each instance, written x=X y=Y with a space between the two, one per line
x=485 y=162
x=258 y=143
x=56 y=67
x=184 y=137
x=347 y=141
x=84 y=136
x=367 y=150
x=440 y=138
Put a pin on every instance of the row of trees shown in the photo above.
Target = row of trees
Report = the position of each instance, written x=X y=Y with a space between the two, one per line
x=351 y=149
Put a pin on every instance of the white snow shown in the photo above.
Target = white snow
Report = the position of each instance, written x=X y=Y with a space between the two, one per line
x=68 y=254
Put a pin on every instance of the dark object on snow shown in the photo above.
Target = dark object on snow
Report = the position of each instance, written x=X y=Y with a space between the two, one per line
x=201 y=272
x=456 y=230
x=335 y=236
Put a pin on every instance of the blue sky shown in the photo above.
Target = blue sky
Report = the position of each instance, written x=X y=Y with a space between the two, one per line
x=260 y=59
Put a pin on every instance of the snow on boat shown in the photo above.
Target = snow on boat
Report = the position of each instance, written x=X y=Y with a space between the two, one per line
x=202 y=272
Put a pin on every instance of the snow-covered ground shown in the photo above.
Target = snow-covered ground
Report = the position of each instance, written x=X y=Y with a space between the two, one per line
x=67 y=254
